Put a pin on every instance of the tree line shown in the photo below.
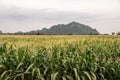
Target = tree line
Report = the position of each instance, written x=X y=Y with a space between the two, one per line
x=37 y=33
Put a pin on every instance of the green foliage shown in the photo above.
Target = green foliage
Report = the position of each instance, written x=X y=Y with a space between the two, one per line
x=85 y=59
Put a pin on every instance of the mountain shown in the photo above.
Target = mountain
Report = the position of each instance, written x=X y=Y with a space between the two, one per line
x=71 y=28
x=65 y=29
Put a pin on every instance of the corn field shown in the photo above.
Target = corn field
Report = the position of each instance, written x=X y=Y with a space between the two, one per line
x=57 y=57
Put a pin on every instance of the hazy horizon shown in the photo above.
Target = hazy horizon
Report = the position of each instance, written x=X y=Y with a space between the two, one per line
x=27 y=15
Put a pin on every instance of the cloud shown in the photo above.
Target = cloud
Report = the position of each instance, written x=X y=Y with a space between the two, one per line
x=13 y=19
x=18 y=14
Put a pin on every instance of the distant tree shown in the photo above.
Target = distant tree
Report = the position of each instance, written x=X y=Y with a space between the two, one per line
x=118 y=33
x=38 y=33
x=24 y=33
x=105 y=34
x=113 y=33
x=70 y=34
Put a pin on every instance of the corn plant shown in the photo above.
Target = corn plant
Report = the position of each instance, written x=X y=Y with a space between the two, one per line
x=60 y=58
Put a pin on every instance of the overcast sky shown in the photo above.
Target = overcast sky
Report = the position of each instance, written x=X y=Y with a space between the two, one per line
x=26 y=15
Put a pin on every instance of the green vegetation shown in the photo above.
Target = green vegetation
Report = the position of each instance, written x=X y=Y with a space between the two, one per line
x=73 y=28
x=59 y=57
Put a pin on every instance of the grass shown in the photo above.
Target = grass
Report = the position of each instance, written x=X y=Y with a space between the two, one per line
x=59 y=57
